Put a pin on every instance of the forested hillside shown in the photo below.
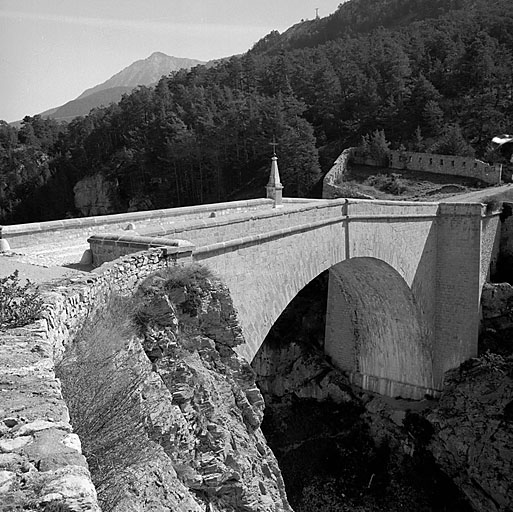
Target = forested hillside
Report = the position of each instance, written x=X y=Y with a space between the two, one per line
x=434 y=74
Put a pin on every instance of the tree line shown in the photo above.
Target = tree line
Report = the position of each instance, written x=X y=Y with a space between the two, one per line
x=440 y=82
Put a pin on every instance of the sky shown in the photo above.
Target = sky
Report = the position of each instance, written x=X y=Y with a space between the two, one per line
x=52 y=50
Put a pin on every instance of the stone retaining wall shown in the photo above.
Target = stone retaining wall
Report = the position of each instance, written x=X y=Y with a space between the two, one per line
x=41 y=464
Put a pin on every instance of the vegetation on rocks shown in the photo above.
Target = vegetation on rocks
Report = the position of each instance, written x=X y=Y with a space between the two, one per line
x=434 y=76
x=20 y=304
x=168 y=414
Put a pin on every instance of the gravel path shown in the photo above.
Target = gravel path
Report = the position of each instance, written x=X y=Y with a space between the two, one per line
x=35 y=272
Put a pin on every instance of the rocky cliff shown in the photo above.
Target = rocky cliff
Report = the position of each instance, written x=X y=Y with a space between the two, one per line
x=168 y=414
x=473 y=432
x=96 y=195
x=473 y=422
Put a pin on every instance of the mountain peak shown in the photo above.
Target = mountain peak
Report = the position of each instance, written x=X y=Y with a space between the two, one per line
x=158 y=55
x=144 y=72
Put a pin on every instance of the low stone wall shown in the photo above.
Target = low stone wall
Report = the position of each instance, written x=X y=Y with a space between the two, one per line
x=41 y=464
x=109 y=247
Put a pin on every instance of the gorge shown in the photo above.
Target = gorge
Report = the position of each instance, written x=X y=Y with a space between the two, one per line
x=164 y=373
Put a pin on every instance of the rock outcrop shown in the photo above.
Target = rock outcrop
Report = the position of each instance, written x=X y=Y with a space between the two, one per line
x=473 y=432
x=497 y=304
x=95 y=195
x=181 y=414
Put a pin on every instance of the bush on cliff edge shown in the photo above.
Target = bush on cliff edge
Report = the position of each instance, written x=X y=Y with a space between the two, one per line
x=19 y=304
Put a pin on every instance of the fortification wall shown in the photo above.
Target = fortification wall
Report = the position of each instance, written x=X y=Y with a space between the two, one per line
x=37 y=436
x=446 y=164
x=427 y=162
x=437 y=164
x=335 y=176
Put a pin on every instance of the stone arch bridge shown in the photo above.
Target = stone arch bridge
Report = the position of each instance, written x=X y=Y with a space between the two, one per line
x=405 y=277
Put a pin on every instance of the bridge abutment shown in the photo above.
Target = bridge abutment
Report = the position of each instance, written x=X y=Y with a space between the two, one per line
x=458 y=286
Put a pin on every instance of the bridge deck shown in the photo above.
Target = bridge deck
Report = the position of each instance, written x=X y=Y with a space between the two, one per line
x=62 y=243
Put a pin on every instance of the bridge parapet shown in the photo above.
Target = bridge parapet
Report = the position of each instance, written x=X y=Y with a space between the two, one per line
x=366 y=209
x=66 y=230
x=110 y=247
x=224 y=230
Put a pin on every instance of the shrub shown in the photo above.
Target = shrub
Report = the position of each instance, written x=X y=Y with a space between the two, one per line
x=101 y=383
x=492 y=205
x=19 y=304
x=194 y=279
x=390 y=183
x=190 y=275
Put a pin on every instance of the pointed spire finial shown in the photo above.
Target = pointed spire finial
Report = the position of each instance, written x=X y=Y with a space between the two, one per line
x=274 y=187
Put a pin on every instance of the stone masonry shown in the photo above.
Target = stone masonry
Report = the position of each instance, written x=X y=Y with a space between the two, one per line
x=41 y=465
x=427 y=162
x=266 y=255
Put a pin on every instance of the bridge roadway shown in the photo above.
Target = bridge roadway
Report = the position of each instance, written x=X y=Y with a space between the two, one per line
x=405 y=277
x=63 y=242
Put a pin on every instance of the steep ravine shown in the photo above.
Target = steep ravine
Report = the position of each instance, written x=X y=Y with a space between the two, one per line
x=171 y=418
x=343 y=450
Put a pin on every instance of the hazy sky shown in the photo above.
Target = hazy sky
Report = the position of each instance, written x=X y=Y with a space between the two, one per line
x=52 y=50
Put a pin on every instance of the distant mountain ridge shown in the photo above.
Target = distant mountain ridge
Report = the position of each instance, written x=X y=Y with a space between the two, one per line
x=142 y=72
x=82 y=105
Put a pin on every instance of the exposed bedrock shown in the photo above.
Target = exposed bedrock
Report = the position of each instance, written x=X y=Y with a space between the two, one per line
x=473 y=432
x=96 y=195
x=473 y=423
x=171 y=419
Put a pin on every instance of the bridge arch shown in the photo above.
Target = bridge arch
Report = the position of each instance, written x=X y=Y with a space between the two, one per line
x=375 y=330
x=422 y=243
